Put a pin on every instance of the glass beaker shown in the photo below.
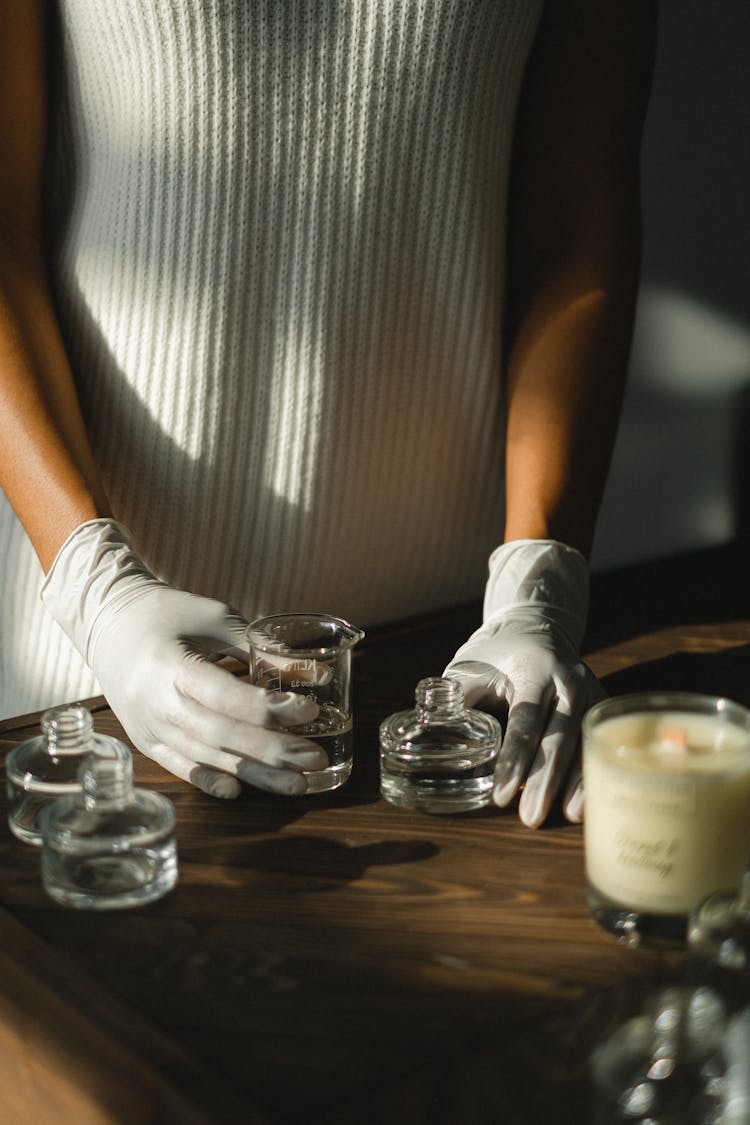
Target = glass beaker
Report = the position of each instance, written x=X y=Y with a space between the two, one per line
x=310 y=654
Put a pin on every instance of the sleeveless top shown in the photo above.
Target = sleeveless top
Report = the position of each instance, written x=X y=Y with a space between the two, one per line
x=277 y=233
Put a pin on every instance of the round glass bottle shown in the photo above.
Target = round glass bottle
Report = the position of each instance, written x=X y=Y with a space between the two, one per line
x=439 y=757
x=719 y=946
x=111 y=845
x=46 y=767
x=669 y=1064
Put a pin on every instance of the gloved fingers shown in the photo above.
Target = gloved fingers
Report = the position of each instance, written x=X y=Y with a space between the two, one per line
x=305 y=756
x=482 y=683
x=550 y=765
x=558 y=756
x=223 y=632
x=212 y=782
x=286 y=782
x=527 y=719
x=214 y=771
x=278 y=673
x=573 y=799
x=235 y=636
x=220 y=692
x=191 y=724
x=288 y=708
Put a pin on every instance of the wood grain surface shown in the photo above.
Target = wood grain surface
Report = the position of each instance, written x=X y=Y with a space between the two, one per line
x=334 y=960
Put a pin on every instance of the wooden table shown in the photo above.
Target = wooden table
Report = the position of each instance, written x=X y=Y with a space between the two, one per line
x=333 y=959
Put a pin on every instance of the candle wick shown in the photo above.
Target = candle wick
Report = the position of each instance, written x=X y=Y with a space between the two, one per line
x=674 y=740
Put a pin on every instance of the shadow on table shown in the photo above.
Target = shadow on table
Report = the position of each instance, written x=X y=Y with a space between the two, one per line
x=302 y=859
x=255 y=813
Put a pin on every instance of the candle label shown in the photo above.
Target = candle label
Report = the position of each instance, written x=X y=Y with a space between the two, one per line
x=660 y=796
x=660 y=842
x=639 y=823
x=657 y=856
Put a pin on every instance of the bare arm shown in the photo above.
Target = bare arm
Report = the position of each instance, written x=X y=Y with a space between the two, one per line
x=47 y=470
x=574 y=258
x=574 y=252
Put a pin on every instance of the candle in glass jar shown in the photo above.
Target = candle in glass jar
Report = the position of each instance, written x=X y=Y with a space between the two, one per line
x=667 y=813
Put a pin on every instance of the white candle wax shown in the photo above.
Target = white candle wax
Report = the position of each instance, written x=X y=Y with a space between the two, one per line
x=667 y=813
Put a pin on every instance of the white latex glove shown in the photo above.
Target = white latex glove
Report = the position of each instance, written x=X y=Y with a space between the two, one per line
x=149 y=646
x=523 y=663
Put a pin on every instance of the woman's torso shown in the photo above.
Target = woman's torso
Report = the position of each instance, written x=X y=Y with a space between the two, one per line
x=279 y=237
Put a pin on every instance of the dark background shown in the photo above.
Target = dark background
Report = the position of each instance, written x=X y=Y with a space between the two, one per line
x=680 y=475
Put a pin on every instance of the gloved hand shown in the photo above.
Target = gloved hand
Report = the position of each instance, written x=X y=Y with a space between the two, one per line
x=149 y=646
x=523 y=663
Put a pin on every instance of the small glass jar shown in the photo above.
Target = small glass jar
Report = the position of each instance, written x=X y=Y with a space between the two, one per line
x=46 y=767
x=441 y=756
x=110 y=846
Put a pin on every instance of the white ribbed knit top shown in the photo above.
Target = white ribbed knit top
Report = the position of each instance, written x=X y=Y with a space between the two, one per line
x=278 y=238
